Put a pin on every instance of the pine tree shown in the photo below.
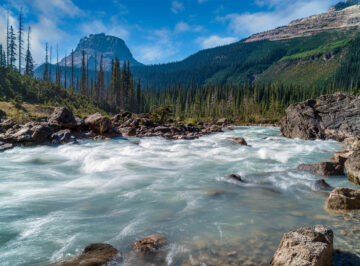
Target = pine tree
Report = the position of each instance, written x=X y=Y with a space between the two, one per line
x=58 y=69
x=12 y=47
x=20 y=39
x=83 y=75
x=100 y=83
x=2 y=57
x=46 y=67
x=29 y=62
x=72 y=70
x=65 y=78
x=7 y=40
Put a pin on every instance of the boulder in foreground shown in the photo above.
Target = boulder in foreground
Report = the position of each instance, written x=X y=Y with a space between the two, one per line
x=150 y=244
x=343 y=199
x=305 y=246
x=323 y=168
x=93 y=255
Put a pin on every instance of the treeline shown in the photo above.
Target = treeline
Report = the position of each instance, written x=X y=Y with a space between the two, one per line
x=250 y=103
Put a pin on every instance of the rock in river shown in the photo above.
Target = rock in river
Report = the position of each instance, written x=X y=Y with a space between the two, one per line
x=323 y=168
x=240 y=141
x=352 y=166
x=306 y=246
x=150 y=244
x=93 y=255
x=343 y=199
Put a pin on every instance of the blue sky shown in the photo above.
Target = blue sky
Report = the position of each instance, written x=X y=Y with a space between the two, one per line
x=156 y=31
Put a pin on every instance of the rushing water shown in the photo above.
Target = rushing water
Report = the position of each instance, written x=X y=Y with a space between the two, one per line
x=56 y=200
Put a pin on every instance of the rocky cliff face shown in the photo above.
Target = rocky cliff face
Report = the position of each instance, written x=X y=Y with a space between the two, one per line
x=334 y=19
x=101 y=44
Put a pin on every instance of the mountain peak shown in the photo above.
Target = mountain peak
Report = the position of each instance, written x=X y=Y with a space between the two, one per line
x=101 y=44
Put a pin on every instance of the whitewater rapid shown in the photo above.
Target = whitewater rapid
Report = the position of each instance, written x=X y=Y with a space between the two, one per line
x=56 y=200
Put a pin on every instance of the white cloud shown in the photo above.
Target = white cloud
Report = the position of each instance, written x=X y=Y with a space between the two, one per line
x=184 y=27
x=214 y=41
x=177 y=7
x=281 y=13
x=57 y=7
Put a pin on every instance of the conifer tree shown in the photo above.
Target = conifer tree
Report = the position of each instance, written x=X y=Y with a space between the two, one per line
x=20 y=39
x=65 y=74
x=12 y=47
x=7 y=40
x=2 y=57
x=46 y=66
x=83 y=75
x=72 y=70
x=29 y=62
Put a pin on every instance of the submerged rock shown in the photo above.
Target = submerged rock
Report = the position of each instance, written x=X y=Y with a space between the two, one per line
x=329 y=116
x=63 y=117
x=321 y=184
x=352 y=166
x=150 y=244
x=98 y=123
x=343 y=199
x=240 y=141
x=306 y=246
x=323 y=168
x=235 y=177
x=93 y=255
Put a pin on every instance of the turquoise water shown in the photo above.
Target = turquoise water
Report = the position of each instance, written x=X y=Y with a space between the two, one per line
x=56 y=200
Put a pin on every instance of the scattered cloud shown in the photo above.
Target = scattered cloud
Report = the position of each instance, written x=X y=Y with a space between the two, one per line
x=177 y=7
x=58 y=7
x=281 y=13
x=214 y=41
x=185 y=27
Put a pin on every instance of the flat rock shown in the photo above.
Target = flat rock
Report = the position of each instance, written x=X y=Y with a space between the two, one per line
x=93 y=255
x=352 y=166
x=323 y=169
x=149 y=244
x=5 y=146
x=333 y=116
x=306 y=246
x=343 y=199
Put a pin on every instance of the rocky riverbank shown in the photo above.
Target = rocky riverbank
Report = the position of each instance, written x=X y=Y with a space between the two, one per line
x=335 y=116
x=63 y=127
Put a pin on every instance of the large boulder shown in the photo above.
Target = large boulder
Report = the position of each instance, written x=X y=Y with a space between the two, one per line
x=63 y=117
x=98 y=123
x=352 y=166
x=306 y=246
x=329 y=116
x=127 y=132
x=323 y=168
x=93 y=255
x=149 y=244
x=343 y=199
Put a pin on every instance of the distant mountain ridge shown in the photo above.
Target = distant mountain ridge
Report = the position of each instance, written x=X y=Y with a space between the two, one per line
x=341 y=16
x=101 y=44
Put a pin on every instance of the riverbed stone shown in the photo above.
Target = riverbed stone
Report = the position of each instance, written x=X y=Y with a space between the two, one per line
x=93 y=255
x=323 y=169
x=343 y=199
x=150 y=244
x=305 y=246
x=127 y=132
x=321 y=184
x=41 y=134
x=352 y=166
x=98 y=123
x=5 y=146
x=235 y=177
